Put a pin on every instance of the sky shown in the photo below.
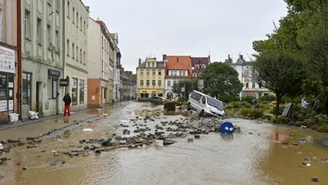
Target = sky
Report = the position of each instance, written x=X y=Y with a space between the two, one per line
x=151 y=28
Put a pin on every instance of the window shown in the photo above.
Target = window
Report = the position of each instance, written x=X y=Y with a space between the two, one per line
x=52 y=87
x=82 y=82
x=67 y=47
x=174 y=82
x=1 y=23
x=253 y=85
x=203 y=66
x=57 y=40
x=38 y=32
x=141 y=83
x=159 y=83
x=68 y=9
x=197 y=66
x=27 y=24
x=27 y=89
x=49 y=36
x=154 y=72
x=74 y=91
x=194 y=74
x=77 y=19
x=141 y=72
x=77 y=53
x=260 y=85
x=159 y=72
x=73 y=51
x=81 y=56
x=147 y=82
x=154 y=82
x=84 y=27
x=153 y=64
x=73 y=17
x=246 y=85
x=81 y=23
x=84 y=57
x=147 y=72
x=168 y=83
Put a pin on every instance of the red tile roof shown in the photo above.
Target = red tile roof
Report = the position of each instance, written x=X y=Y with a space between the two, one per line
x=179 y=63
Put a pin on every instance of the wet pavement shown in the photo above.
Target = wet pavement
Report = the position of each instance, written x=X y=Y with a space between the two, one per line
x=260 y=154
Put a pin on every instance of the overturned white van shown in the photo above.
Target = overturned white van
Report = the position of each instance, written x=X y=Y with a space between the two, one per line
x=205 y=105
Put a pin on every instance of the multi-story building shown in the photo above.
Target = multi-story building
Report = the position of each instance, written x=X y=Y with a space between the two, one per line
x=177 y=68
x=245 y=75
x=150 y=79
x=129 y=82
x=117 y=68
x=76 y=41
x=99 y=51
x=42 y=56
x=111 y=69
x=9 y=59
x=199 y=64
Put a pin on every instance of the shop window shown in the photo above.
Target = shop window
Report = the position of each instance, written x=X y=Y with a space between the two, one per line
x=82 y=82
x=27 y=89
x=52 y=87
x=74 y=91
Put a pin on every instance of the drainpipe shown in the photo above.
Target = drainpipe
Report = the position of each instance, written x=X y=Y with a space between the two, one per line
x=19 y=59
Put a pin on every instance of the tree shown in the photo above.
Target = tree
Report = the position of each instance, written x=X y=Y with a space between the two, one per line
x=187 y=84
x=280 y=72
x=221 y=80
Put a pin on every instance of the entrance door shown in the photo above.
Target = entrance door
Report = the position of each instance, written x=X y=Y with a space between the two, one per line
x=38 y=97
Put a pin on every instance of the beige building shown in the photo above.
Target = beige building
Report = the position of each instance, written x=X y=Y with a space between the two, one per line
x=150 y=79
x=8 y=59
x=42 y=56
x=100 y=55
x=76 y=40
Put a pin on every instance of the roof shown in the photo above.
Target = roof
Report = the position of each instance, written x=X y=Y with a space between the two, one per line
x=178 y=62
x=200 y=60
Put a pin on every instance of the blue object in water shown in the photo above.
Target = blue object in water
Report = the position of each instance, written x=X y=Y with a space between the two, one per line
x=227 y=127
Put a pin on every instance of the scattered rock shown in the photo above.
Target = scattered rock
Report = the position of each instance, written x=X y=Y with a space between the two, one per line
x=1 y=162
x=30 y=146
x=190 y=139
x=197 y=136
x=97 y=151
x=57 y=162
x=314 y=179
x=25 y=168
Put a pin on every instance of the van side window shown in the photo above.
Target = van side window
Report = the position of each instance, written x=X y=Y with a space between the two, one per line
x=203 y=100
x=198 y=97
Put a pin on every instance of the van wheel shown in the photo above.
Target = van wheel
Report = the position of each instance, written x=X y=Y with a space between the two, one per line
x=188 y=107
x=202 y=113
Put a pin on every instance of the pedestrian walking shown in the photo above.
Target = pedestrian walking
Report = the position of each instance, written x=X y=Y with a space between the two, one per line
x=315 y=105
x=67 y=99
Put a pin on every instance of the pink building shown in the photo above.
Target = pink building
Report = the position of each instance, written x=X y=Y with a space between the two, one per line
x=9 y=59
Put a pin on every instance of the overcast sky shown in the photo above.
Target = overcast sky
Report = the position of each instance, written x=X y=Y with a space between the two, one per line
x=187 y=27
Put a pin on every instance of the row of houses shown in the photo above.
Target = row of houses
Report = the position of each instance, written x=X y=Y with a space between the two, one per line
x=50 y=48
x=157 y=77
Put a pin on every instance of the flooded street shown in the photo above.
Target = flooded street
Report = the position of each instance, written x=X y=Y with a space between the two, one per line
x=260 y=154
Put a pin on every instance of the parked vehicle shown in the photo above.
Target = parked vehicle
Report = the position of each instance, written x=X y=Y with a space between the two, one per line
x=157 y=100
x=205 y=105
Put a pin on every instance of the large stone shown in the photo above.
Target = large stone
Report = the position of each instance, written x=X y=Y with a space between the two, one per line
x=57 y=162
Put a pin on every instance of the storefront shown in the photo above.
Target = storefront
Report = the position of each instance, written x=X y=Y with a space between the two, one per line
x=7 y=76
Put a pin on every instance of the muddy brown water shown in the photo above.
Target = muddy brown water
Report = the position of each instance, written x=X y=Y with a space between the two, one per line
x=251 y=159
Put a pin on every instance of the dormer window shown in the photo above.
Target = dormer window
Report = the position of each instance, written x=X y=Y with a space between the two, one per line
x=197 y=66
x=194 y=74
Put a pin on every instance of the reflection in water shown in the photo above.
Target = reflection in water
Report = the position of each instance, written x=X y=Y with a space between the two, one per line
x=226 y=137
x=250 y=159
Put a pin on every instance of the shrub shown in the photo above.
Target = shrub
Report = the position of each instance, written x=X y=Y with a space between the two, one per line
x=239 y=104
x=248 y=99
x=250 y=113
x=268 y=98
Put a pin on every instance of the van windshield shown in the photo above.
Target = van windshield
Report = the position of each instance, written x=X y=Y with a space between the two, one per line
x=214 y=103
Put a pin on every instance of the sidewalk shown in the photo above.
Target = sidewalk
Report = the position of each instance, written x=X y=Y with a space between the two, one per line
x=32 y=128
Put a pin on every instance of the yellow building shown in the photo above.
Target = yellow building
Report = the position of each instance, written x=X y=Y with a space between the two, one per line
x=150 y=79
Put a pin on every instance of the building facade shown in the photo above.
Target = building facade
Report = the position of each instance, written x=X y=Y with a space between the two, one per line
x=9 y=59
x=76 y=44
x=177 y=68
x=199 y=64
x=98 y=60
x=117 y=69
x=245 y=75
x=150 y=79
x=129 y=82
x=42 y=57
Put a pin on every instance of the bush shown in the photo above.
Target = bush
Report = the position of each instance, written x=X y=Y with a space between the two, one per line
x=250 y=113
x=268 y=98
x=248 y=99
x=238 y=104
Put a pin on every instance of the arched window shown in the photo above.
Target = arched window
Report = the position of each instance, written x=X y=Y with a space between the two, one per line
x=197 y=66
x=194 y=74
x=203 y=66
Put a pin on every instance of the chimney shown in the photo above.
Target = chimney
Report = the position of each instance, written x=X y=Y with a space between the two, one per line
x=164 y=57
x=139 y=61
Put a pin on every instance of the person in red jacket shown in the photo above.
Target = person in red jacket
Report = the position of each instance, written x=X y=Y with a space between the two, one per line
x=67 y=99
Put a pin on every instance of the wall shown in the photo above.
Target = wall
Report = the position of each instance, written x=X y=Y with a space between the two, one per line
x=94 y=50
x=94 y=90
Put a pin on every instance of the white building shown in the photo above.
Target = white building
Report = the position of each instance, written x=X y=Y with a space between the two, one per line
x=117 y=69
x=76 y=41
x=245 y=72
x=42 y=57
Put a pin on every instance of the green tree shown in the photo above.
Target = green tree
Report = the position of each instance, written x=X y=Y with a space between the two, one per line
x=221 y=80
x=280 y=72
x=187 y=84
